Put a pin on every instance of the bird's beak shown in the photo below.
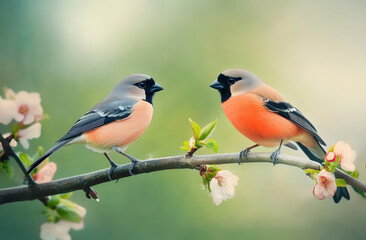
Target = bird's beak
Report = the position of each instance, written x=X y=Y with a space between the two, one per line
x=217 y=85
x=156 y=88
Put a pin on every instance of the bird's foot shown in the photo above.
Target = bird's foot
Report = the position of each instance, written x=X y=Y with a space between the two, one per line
x=132 y=165
x=274 y=156
x=242 y=154
x=111 y=169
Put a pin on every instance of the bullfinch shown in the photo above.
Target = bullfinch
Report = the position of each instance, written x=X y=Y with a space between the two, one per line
x=115 y=122
x=261 y=114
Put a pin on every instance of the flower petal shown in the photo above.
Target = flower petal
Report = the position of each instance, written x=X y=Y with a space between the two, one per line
x=8 y=111
x=223 y=186
x=325 y=186
x=46 y=173
x=348 y=156
x=54 y=231
x=318 y=191
x=216 y=192
x=34 y=131
x=9 y=94
x=32 y=103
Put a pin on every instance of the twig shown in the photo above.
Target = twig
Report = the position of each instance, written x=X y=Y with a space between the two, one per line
x=81 y=182
x=10 y=152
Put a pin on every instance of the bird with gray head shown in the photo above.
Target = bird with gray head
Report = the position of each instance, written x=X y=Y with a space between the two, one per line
x=115 y=122
x=261 y=114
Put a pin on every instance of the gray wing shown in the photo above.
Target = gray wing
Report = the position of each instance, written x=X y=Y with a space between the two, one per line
x=101 y=114
x=291 y=113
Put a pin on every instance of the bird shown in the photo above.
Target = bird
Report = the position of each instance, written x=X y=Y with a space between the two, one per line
x=260 y=113
x=113 y=123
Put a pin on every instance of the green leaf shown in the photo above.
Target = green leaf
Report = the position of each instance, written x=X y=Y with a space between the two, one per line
x=309 y=171
x=45 y=117
x=355 y=174
x=7 y=169
x=185 y=148
x=38 y=153
x=67 y=213
x=211 y=172
x=331 y=149
x=341 y=182
x=338 y=159
x=53 y=201
x=51 y=214
x=207 y=130
x=312 y=173
x=196 y=129
x=200 y=144
x=213 y=168
x=186 y=144
x=25 y=159
x=212 y=145
x=331 y=166
x=46 y=211
x=66 y=195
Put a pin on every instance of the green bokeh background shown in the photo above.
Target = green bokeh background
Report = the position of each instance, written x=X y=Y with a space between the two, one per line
x=74 y=52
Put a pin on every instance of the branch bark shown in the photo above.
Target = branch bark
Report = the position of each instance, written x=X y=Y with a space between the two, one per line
x=81 y=182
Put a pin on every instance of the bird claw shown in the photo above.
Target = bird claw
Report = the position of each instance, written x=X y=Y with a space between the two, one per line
x=274 y=156
x=243 y=153
x=113 y=166
x=132 y=165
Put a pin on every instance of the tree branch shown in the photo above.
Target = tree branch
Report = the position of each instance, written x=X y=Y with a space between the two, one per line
x=81 y=182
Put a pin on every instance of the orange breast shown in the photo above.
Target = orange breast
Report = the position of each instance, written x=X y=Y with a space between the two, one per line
x=122 y=132
x=249 y=116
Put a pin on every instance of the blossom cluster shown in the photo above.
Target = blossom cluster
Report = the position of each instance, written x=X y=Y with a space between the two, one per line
x=341 y=156
x=23 y=111
x=62 y=214
x=220 y=183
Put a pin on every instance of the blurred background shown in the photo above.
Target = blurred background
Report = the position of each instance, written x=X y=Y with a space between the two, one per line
x=74 y=52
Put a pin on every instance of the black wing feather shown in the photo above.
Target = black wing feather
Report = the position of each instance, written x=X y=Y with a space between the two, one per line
x=291 y=113
x=96 y=118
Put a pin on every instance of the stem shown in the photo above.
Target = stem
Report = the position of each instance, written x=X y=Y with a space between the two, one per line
x=81 y=182
x=10 y=152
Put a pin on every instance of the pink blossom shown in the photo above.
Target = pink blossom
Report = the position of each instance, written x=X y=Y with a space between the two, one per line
x=325 y=186
x=8 y=110
x=223 y=186
x=33 y=131
x=46 y=173
x=12 y=143
x=331 y=157
x=28 y=106
x=347 y=155
x=60 y=230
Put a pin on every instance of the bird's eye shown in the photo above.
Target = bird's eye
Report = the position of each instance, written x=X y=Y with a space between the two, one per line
x=231 y=81
x=142 y=85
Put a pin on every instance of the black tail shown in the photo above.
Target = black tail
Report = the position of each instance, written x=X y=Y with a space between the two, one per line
x=317 y=154
x=48 y=153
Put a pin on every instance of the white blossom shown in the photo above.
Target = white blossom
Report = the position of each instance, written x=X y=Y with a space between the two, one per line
x=8 y=110
x=60 y=230
x=33 y=131
x=347 y=155
x=223 y=186
x=28 y=106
